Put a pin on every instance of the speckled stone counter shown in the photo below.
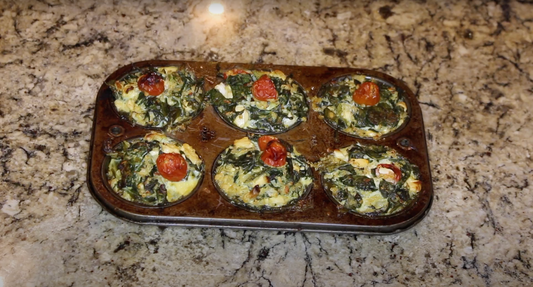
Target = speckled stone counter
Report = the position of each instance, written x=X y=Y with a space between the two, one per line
x=470 y=65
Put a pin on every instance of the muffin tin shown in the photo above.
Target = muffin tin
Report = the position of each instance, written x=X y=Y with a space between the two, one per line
x=209 y=135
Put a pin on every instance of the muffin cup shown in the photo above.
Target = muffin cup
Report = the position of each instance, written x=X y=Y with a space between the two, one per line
x=105 y=175
x=265 y=208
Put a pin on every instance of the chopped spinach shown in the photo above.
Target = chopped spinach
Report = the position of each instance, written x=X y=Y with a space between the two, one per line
x=361 y=182
x=382 y=115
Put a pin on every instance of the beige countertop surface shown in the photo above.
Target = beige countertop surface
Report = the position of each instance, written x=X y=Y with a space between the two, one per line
x=469 y=63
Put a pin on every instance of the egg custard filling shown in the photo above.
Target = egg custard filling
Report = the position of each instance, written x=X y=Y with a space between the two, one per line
x=370 y=180
x=262 y=173
x=265 y=102
x=361 y=107
x=154 y=170
x=163 y=97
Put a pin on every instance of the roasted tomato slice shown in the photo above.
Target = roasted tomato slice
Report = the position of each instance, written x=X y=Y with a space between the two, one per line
x=152 y=84
x=234 y=72
x=275 y=154
x=367 y=94
x=264 y=140
x=389 y=172
x=264 y=89
x=172 y=166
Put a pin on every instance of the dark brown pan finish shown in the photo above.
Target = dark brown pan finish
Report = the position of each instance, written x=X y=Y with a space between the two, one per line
x=209 y=135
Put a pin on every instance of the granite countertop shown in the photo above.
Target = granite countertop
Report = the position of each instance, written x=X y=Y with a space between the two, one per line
x=470 y=65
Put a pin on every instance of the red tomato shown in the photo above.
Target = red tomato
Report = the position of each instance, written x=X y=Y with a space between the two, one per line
x=264 y=140
x=152 y=84
x=263 y=89
x=397 y=176
x=172 y=166
x=367 y=94
x=234 y=72
x=275 y=154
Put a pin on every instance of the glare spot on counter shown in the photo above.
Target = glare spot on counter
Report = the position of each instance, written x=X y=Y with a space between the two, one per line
x=216 y=8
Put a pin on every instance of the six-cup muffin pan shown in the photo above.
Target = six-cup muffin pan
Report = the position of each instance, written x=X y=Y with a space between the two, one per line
x=209 y=135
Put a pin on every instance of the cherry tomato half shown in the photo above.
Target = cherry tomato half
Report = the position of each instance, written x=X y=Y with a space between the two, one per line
x=172 y=166
x=264 y=140
x=152 y=84
x=382 y=170
x=275 y=154
x=367 y=94
x=264 y=89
